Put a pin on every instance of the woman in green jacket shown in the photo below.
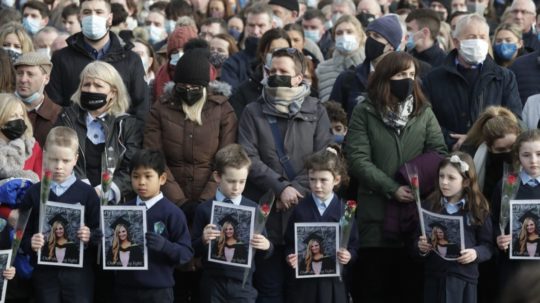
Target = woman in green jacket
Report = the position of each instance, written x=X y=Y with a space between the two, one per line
x=394 y=125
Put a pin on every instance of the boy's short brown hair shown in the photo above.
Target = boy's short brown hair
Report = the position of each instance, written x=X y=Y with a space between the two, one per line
x=335 y=112
x=62 y=136
x=232 y=155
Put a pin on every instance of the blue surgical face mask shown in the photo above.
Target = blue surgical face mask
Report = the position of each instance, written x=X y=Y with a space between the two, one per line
x=31 y=25
x=170 y=25
x=339 y=139
x=505 y=51
x=30 y=99
x=235 y=33
x=346 y=43
x=313 y=35
x=175 y=58
x=410 y=41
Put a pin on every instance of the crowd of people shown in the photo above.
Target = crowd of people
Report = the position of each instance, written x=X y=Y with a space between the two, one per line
x=317 y=101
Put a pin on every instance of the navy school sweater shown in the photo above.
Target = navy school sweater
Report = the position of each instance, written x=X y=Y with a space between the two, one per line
x=177 y=249
x=79 y=192
x=218 y=270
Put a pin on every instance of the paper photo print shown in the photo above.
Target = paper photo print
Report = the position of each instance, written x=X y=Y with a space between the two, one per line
x=124 y=243
x=59 y=227
x=316 y=249
x=235 y=222
x=5 y=261
x=445 y=234
x=525 y=243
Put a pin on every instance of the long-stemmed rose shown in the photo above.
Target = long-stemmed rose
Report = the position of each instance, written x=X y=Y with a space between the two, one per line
x=261 y=215
x=108 y=165
x=46 y=180
x=414 y=182
x=345 y=225
x=20 y=227
x=510 y=186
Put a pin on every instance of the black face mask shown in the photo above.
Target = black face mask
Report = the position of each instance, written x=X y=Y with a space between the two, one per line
x=189 y=96
x=374 y=49
x=93 y=101
x=365 y=18
x=14 y=129
x=401 y=89
x=501 y=157
x=279 y=81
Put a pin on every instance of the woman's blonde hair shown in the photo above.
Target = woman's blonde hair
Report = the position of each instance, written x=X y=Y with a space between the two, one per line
x=16 y=28
x=116 y=242
x=494 y=123
x=8 y=104
x=511 y=27
x=51 y=243
x=523 y=236
x=194 y=112
x=107 y=73
x=222 y=241
x=309 y=257
x=434 y=238
x=356 y=24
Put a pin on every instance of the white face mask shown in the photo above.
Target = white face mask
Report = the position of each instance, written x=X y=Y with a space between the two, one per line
x=145 y=63
x=94 y=27
x=15 y=50
x=473 y=51
x=313 y=35
x=335 y=17
x=175 y=58
x=346 y=43
x=170 y=25
x=155 y=33
x=131 y=23
x=277 y=21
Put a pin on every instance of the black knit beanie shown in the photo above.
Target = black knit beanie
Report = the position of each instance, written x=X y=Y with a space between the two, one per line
x=193 y=68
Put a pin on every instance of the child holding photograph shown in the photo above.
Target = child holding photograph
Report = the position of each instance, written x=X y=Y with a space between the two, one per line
x=67 y=284
x=220 y=282
x=167 y=239
x=525 y=151
x=326 y=172
x=457 y=194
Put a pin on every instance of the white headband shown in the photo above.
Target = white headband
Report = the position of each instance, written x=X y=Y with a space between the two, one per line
x=463 y=166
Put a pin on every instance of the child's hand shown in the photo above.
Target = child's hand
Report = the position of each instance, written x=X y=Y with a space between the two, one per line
x=210 y=233
x=503 y=241
x=13 y=217
x=37 y=242
x=155 y=241
x=467 y=256
x=423 y=245
x=84 y=234
x=260 y=242
x=9 y=273
x=343 y=255
x=292 y=260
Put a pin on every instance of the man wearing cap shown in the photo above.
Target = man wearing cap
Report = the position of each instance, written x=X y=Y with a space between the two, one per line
x=32 y=74
x=384 y=35
x=468 y=82
x=96 y=42
x=285 y=10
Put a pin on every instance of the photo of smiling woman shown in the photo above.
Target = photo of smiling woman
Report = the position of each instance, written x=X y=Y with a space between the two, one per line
x=440 y=242
x=314 y=261
x=229 y=248
x=59 y=247
x=124 y=252
x=526 y=244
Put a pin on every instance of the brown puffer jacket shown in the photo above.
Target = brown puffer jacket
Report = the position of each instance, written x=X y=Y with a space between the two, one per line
x=189 y=148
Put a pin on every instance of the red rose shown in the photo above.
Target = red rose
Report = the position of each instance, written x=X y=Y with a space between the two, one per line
x=106 y=177
x=265 y=208
x=19 y=234
x=47 y=174
x=351 y=204
x=511 y=179
x=414 y=182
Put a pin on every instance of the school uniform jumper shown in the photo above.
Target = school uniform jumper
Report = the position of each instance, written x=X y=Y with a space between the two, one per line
x=55 y=284
x=220 y=282
x=319 y=290
x=156 y=283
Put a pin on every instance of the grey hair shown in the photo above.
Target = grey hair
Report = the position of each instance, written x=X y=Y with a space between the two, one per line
x=529 y=2
x=466 y=20
x=351 y=5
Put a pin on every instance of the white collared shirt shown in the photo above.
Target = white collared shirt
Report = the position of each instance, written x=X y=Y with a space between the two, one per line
x=150 y=202
x=94 y=129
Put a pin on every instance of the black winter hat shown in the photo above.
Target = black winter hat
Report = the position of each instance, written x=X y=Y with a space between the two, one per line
x=291 y=5
x=193 y=68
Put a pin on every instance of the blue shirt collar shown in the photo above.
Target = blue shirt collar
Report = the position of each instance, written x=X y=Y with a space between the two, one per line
x=319 y=203
x=221 y=197
x=452 y=208
x=525 y=178
x=98 y=55
x=60 y=188
x=150 y=202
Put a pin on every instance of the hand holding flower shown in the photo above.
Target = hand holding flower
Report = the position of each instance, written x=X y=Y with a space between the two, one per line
x=344 y=256
x=260 y=242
